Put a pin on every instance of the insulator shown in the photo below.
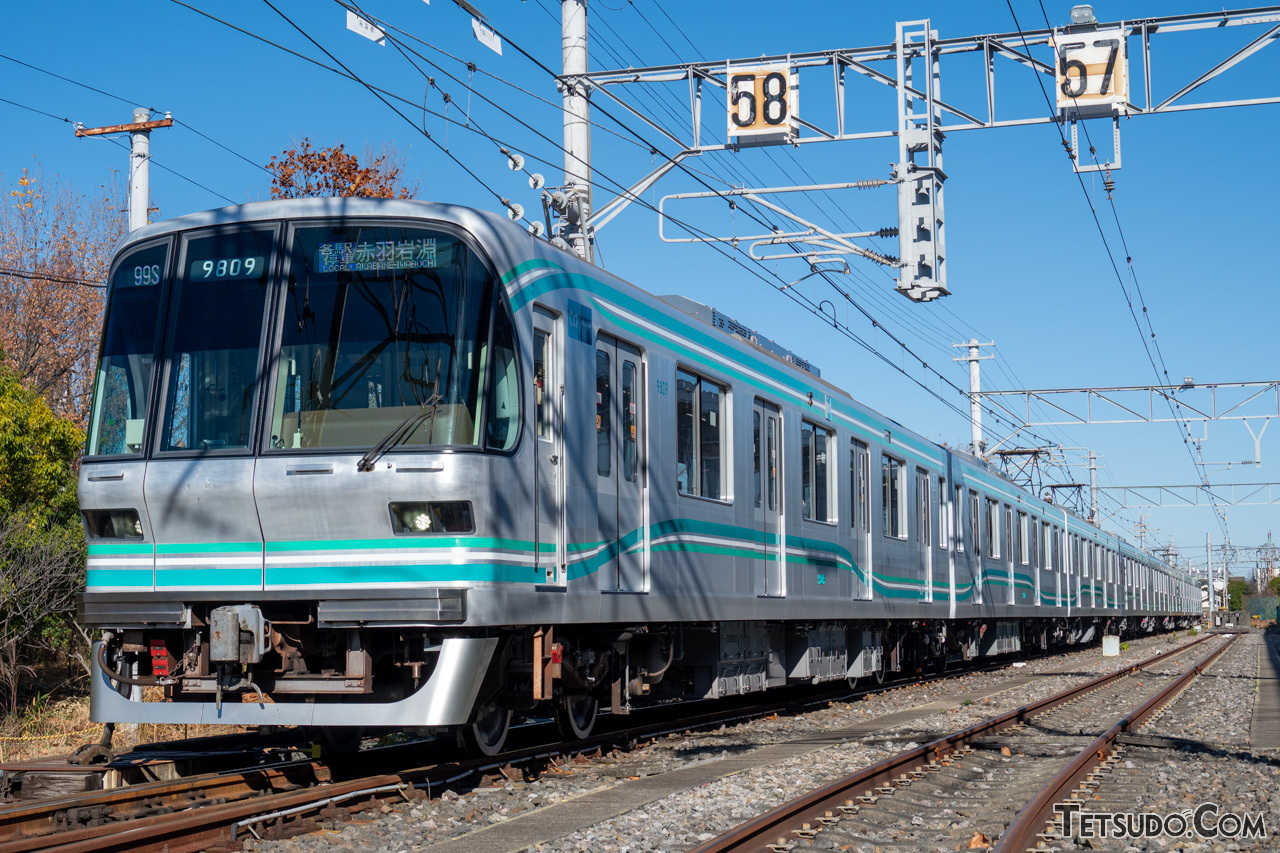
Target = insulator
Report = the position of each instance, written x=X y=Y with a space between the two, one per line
x=536 y=229
x=888 y=232
x=871 y=183
x=515 y=211
x=515 y=162
x=536 y=181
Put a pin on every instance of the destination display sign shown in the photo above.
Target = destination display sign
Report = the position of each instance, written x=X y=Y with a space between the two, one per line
x=1092 y=73
x=763 y=103
x=377 y=256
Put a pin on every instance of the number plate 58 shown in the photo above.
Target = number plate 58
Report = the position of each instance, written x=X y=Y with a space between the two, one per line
x=762 y=103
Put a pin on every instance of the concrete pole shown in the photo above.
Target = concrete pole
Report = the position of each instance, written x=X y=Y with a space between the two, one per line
x=975 y=402
x=139 y=171
x=1093 y=487
x=577 y=127
x=976 y=446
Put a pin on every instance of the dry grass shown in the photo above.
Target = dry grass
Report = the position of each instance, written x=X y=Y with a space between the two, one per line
x=52 y=729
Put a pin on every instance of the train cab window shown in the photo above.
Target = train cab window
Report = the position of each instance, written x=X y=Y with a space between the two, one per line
x=991 y=523
x=122 y=388
x=1023 y=543
x=815 y=473
x=385 y=331
x=216 y=321
x=502 y=421
x=894 y=487
x=604 y=425
x=700 y=431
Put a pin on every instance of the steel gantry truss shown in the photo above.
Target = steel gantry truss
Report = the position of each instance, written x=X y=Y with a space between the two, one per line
x=1226 y=494
x=1204 y=402
x=913 y=68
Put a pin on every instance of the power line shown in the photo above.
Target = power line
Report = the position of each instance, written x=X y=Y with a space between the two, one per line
x=1174 y=408
x=36 y=275
x=134 y=103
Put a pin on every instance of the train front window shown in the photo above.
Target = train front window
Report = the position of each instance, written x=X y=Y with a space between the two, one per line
x=123 y=386
x=383 y=323
x=215 y=327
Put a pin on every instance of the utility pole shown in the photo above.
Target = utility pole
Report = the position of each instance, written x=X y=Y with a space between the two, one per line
x=1093 y=487
x=977 y=446
x=139 y=158
x=577 y=128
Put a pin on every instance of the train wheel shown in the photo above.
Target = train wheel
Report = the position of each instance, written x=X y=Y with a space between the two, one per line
x=879 y=670
x=576 y=715
x=852 y=681
x=487 y=734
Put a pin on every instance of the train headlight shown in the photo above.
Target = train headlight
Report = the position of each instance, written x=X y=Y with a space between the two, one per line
x=418 y=518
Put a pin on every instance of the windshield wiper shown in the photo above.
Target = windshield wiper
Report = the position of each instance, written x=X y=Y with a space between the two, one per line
x=399 y=433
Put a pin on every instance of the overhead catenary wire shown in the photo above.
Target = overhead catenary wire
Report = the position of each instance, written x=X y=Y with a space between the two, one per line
x=37 y=275
x=1174 y=408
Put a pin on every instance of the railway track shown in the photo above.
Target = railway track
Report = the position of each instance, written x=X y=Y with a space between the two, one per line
x=991 y=784
x=215 y=810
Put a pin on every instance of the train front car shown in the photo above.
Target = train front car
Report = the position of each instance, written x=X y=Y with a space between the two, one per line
x=300 y=411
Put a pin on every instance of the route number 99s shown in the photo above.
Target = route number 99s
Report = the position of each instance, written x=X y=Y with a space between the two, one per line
x=762 y=103
x=1091 y=73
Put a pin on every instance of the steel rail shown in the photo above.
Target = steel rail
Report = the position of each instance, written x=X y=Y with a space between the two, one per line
x=207 y=823
x=826 y=804
x=1030 y=824
x=27 y=825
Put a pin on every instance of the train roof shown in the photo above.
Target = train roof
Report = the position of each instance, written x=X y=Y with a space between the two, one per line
x=484 y=223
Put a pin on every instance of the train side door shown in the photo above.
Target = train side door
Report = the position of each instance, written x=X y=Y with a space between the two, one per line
x=766 y=426
x=549 y=465
x=619 y=457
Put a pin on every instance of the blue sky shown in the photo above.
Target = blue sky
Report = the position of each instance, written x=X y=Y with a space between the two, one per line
x=1194 y=199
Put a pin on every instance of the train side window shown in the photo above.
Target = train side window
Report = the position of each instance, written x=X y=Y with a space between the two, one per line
x=973 y=523
x=541 y=391
x=893 y=485
x=1024 y=540
x=992 y=521
x=860 y=485
x=957 y=516
x=943 y=533
x=815 y=473
x=630 y=423
x=771 y=460
x=502 y=423
x=700 y=431
x=604 y=424
x=922 y=507
x=755 y=444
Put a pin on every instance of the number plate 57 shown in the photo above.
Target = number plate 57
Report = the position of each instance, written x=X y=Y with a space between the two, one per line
x=1091 y=73
x=762 y=103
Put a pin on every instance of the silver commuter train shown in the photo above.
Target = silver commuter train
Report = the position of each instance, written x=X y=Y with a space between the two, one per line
x=392 y=463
